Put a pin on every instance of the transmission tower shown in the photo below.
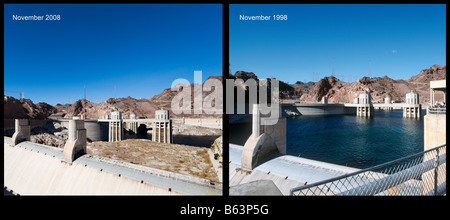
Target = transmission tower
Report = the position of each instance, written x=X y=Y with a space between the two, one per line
x=332 y=70
x=114 y=91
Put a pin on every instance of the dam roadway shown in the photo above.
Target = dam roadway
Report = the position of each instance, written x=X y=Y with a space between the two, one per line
x=293 y=109
x=361 y=106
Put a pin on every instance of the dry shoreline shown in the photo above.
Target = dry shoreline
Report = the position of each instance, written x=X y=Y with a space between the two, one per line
x=170 y=157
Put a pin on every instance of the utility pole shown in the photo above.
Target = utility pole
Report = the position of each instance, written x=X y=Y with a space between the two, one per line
x=84 y=91
x=316 y=76
x=332 y=70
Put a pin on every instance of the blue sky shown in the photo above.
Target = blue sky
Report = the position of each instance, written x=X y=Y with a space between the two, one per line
x=140 y=49
x=394 y=40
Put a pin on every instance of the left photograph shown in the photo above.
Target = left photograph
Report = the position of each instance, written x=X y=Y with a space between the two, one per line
x=113 y=99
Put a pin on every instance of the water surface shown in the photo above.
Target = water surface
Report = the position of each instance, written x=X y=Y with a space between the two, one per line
x=348 y=140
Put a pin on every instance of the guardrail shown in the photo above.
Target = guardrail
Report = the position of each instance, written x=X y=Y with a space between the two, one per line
x=423 y=173
x=436 y=110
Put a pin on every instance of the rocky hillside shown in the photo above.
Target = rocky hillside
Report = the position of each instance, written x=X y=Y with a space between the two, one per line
x=379 y=87
x=129 y=105
x=25 y=108
x=341 y=92
x=331 y=87
x=285 y=89
x=302 y=88
x=164 y=99
x=421 y=82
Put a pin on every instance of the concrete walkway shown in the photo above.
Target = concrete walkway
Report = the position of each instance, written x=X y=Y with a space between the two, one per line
x=285 y=171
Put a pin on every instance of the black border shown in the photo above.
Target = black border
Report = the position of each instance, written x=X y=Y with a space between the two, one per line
x=151 y=207
x=225 y=66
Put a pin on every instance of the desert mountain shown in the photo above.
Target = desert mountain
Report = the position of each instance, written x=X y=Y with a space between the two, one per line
x=128 y=105
x=379 y=87
x=140 y=107
x=24 y=108
x=331 y=87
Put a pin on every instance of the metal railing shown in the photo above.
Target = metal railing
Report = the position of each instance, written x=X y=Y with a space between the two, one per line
x=436 y=110
x=423 y=173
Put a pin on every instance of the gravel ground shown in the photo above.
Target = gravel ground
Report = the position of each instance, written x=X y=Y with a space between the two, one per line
x=170 y=157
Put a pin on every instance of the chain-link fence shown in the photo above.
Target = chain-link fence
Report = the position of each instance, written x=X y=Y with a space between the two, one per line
x=423 y=173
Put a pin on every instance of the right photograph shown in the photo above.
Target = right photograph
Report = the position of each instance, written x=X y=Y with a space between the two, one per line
x=328 y=100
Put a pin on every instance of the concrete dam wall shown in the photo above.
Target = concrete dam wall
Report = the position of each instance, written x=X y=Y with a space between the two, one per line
x=36 y=169
x=96 y=130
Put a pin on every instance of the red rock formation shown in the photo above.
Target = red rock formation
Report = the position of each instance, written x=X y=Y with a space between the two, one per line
x=25 y=108
x=379 y=87
x=129 y=105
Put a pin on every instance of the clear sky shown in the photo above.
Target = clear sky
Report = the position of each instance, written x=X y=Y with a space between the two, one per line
x=394 y=40
x=140 y=49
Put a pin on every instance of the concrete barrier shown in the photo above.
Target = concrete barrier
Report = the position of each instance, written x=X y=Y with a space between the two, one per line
x=266 y=140
x=76 y=144
x=204 y=122
x=256 y=150
x=22 y=131
x=96 y=130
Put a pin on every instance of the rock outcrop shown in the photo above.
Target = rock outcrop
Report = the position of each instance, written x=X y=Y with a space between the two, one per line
x=331 y=87
x=25 y=108
x=379 y=87
x=129 y=105
x=338 y=91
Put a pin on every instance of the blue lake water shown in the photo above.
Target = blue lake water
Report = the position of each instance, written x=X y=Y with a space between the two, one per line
x=348 y=140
